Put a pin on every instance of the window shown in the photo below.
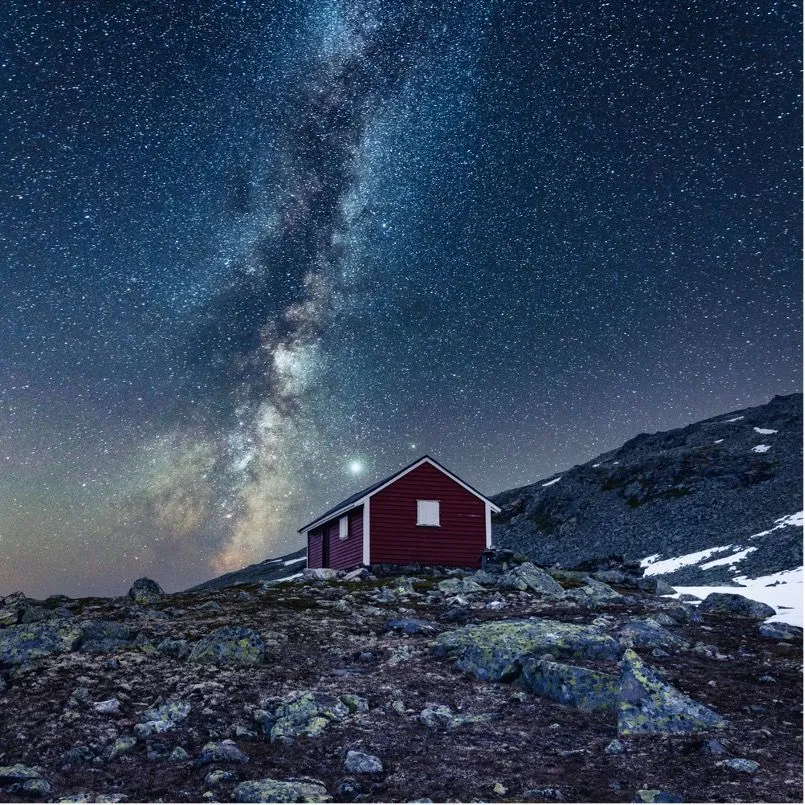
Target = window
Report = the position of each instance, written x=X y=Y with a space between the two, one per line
x=343 y=527
x=427 y=512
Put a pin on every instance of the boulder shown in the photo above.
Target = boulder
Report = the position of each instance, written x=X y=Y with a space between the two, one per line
x=101 y=636
x=229 y=645
x=162 y=719
x=529 y=577
x=26 y=643
x=781 y=631
x=179 y=649
x=647 y=633
x=270 y=790
x=649 y=705
x=146 y=591
x=319 y=574
x=441 y=717
x=734 y=604
x=221 y=752
x=494 y=650
x=570 y=684
x=361 y=763
x=307 y=713
x=23 y=781
x=594 y=593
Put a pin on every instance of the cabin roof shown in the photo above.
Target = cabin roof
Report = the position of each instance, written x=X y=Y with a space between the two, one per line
x=347 y=503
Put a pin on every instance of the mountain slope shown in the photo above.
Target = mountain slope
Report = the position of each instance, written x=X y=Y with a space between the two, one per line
x=731 y=483
x=282 y=567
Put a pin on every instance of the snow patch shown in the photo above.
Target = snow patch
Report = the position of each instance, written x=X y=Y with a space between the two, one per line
x=764 y=431
x=292 y=561
x=782 y=590
x=761 y=448
x=728 y=560
x=795 y=519
x=718 y=441
x=734 y=419
x=551 y=483
x=656 y=568
x=596 y=465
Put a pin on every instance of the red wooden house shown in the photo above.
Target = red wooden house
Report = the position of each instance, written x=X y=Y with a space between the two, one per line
x=423 y=513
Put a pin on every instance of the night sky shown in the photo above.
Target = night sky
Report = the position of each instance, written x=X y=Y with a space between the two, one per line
x=256 y=255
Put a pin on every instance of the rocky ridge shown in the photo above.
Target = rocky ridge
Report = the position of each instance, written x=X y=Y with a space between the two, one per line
x=516 y=683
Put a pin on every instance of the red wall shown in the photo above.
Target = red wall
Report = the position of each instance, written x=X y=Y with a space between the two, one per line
x=344 y=553
x=395 y=538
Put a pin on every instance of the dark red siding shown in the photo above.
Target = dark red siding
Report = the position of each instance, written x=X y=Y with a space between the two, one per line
x=344 y=553
x=395 y=538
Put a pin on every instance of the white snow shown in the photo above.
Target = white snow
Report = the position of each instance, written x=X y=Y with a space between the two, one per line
x=734 y=419
x=728 y=560
x=764 y=431
x=291 y=561
x=761 y=448
x=596 y=465
x=782 y=590
x=655 y=568
x=795 y=519
x=551 y=483
x=718 y=441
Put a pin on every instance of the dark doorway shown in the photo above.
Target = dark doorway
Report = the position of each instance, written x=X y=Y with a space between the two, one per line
x=325 y=547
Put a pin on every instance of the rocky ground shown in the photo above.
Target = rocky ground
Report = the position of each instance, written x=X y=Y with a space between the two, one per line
x=429 y=686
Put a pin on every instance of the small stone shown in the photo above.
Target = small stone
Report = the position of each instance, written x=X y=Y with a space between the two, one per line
x=218 y=776
x=713 y=747
x=536 y=794
x=269 y=790
x=655 y=795
x=767 y=680
x=108 y=707
x=740 y=764
x=361 y=763
x=122 y=746
x=614 y=748
x=499 y=789
x=780 y=631
x=179 y=755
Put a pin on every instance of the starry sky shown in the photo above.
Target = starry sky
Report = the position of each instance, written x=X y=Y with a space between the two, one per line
x=255 y=255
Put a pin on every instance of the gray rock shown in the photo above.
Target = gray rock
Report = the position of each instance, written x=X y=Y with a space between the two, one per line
x=355 y=704
x=570 y=684
x=656 y=795
x=270 y=790
x=740 y=764
x=319 y=574
x=162 y=718
x=493 y=651
x=712 y=746
x=411 y=626
x=536 y=794
x=442 y=717
x=361 y=763
x=221 y=752
x=229 y=645
x=122 y=746
x=359 y=574
x=218 y=776
x=647 y=633
x=179 y=755
x=594 y=593
x=734 y=604
x=23 y=780
x=146 y=591
x=307 y=713
x=462 y=586
x=614 y=748
x=108 y=707
x=103 y=636
x=781 y=631
x=77 y=756
x=210 y=606
x=26 y=643
x=179 y=649
x=529 y=577
x=649 y=705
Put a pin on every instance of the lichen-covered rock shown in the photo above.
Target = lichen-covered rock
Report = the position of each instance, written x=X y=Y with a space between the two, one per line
x=102 y=636
x=656 y=795
x=649 y=705
x=307 y=713
x=529 y=577
x=146 y=591
x=734 y=604
x=647 y=633
x=269 y=790
x=229 y=645
x=23 y=780
x=460 y=586
x=25 y=643
x=221 y=752
x=781 y=631
x=494 y=650
x=355 y=704
x=594 y=593
x=122 y=746
x=570 y=684
x=442 y=717
x=162 y=719
x=361 y=763
x=218 y=776
x=740 y=764
x=179 y=649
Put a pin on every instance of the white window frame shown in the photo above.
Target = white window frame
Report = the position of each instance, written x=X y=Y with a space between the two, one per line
x=343 y=527
x=421 y=514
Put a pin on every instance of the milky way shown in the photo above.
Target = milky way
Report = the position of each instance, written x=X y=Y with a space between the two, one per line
x=257 y=254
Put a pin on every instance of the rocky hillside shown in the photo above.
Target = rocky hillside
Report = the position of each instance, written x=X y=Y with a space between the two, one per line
x=277 y=569
x=513 y=685
x=730 y=483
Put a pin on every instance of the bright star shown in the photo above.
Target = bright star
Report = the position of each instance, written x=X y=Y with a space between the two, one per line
x=355 y=467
